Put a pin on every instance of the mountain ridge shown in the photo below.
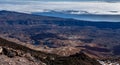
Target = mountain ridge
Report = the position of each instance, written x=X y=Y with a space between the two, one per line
x=60 y=21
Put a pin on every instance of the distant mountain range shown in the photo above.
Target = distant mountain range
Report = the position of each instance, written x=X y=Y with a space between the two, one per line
x=82 y=15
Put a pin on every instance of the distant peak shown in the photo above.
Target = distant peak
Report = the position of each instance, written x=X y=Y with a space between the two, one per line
x=4 y=11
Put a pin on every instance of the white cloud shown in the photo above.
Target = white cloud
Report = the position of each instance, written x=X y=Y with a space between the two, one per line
x=91 y=7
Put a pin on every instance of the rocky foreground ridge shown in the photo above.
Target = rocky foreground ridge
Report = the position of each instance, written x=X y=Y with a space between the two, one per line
x=16 y=54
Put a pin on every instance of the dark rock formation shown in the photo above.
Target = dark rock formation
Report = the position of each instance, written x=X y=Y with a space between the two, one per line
x=14 y=50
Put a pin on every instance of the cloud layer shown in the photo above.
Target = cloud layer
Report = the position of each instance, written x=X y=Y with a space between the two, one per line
x=61 y=0
x=35 y=6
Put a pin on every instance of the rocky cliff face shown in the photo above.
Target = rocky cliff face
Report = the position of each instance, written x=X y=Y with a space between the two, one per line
x=16 y=54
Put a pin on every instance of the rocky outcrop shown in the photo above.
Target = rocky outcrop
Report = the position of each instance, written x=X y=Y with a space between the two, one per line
x=1 y=49
x=16 y=54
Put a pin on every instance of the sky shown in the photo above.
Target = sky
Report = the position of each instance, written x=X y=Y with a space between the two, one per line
x=63 y=0
x=91 y=6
